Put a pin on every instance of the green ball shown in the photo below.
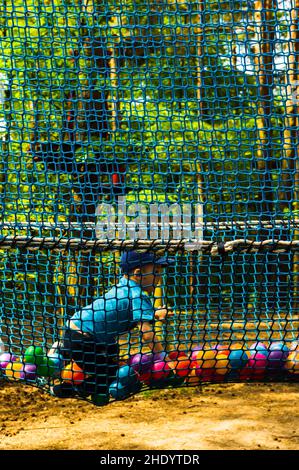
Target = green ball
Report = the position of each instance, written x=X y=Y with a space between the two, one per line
x=100 y=399
x=34 y=355
x=46 y=368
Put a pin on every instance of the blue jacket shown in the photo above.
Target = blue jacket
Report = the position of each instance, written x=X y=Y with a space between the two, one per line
x=116 y=312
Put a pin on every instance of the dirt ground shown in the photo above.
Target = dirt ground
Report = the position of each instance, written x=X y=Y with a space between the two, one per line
x=214 y=417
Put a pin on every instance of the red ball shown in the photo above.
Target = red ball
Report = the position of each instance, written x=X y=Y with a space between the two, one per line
x=145 y=377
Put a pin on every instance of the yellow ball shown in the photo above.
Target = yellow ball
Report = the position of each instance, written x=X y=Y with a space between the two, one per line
x=209 y=359
x=15 y=371
x=292 y=362
x=222 y=364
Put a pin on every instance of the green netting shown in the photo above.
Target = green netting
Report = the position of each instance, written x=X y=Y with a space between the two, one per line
x=165 y=127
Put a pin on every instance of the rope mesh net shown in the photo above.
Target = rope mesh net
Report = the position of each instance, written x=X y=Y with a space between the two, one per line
x=148 y=131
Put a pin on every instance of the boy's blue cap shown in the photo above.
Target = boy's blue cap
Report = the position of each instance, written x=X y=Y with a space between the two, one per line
x=134 y=259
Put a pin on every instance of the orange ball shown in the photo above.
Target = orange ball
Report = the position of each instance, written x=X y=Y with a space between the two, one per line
x=73 y=374
x=182 y=367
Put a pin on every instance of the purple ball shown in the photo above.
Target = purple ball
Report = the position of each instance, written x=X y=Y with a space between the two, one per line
x=30 y=371
x=278 y=352
x=5 y=358
x=141 y=362
x=279 y=346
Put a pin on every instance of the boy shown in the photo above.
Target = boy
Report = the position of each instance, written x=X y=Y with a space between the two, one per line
x=91 y=335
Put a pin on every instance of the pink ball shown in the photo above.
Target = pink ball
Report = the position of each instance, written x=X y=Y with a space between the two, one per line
x=5 y=359
x=258 y=361
x=256 y=367
x=160 y=370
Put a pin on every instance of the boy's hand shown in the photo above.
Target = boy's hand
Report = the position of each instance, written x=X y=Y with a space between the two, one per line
x=162 y=312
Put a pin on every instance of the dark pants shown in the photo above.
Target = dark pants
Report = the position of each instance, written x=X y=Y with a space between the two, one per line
x=98 y=361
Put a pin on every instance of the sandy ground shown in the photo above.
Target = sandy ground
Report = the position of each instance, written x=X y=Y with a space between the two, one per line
x=215 y=417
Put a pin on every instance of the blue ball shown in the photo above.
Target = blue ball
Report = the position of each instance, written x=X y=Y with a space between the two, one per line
x=237 y=358
x=120 y=391
x=126 y=375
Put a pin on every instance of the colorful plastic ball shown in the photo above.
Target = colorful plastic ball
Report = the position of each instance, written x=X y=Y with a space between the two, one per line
x=292 y=362
x=5 y=359
x=294 y=346
x=34 y=355
x=182 y=367
x=279 y=346
x=120 y=391
x=222 y=348
x=158 y=357
x=30 y=371
x=206 y=363
x=197 y=347
x=141 y=363
x=100 y=399
x=160 y=371
x=46 y=368
x=145 y=377
x=126 y=375
x=197 y=355
x=237 y=359
x=258 y=361
x=195 y=373
x=278 y=353
x=175 y=355
x=255 y=368
x=209 y=359
x=57 y=361
x=73 y=374
x=15 y=371
x=258 y=347
x=222 y=363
